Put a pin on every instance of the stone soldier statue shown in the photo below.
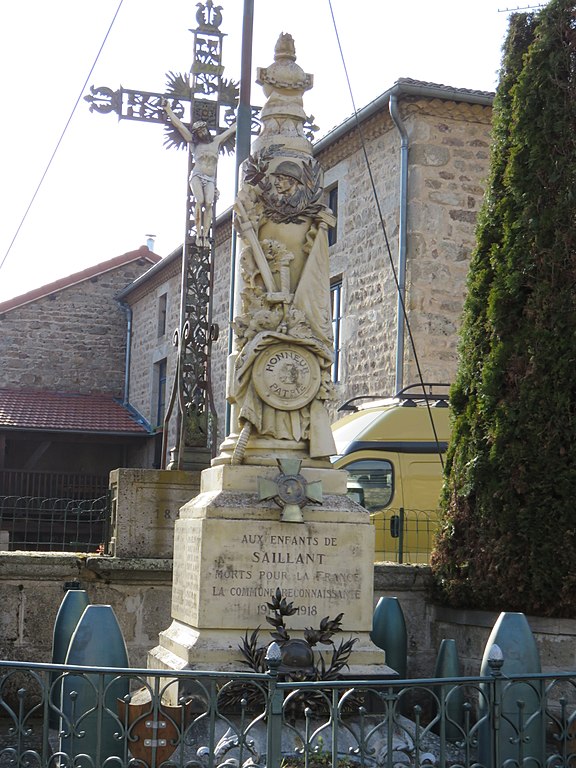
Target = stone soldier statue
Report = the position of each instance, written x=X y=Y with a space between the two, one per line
x=280 y=373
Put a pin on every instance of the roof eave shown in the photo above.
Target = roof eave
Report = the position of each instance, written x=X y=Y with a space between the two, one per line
x=154 y=269
x=90 y=432
x=78 y=277
x=399 y=89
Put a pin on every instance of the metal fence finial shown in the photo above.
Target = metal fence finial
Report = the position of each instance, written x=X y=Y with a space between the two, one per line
x=495 y=660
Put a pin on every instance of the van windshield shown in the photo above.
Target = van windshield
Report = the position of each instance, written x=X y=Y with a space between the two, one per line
x=343 y=435
x=371 y=483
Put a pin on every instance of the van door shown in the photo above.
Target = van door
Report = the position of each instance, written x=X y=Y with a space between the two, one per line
x=376 y=482
x=422 y=485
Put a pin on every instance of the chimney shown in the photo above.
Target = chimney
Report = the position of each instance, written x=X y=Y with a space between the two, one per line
x=150 y=242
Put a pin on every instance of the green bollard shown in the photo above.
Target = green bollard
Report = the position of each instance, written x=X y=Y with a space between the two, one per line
x=514 y=728
x=91 y=730
x=389 y=633
x=71 y=609
x=452 y=696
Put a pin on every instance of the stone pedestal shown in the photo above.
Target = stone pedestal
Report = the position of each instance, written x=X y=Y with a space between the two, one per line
x=145 y=505
x=232 y=551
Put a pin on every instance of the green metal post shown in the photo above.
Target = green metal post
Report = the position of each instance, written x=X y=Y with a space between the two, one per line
x=243 y=138
x=495 y=665
x=521 y=724
x=389 y=633
x=274 y=710
x=452 y=697
x=401 y=537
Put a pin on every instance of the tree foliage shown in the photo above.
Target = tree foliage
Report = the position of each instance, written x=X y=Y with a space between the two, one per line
x=508 y=540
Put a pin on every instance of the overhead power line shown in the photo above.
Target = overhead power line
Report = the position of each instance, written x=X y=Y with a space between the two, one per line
x=53 y=155
x=386 y=241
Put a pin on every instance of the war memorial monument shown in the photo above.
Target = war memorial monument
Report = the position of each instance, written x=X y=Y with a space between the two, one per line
x=271 y=511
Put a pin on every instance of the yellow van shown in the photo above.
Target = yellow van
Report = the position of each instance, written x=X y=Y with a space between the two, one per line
x=393 y=450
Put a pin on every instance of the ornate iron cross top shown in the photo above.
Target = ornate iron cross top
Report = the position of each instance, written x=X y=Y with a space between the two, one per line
x=202 y=96
x=203 y=93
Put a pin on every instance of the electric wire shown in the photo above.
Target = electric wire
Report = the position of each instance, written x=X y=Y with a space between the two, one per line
x=59 y=142
x=385 y=234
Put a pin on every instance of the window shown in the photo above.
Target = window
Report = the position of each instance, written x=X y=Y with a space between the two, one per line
x=333 y=205
x=336 y=300
x=371 y=483
x=162 y=307
x=159 y=393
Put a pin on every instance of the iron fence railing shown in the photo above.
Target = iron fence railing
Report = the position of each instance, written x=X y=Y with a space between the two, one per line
x=32 y=523
x=405 y=535
x=83 y=717
x=71 y=485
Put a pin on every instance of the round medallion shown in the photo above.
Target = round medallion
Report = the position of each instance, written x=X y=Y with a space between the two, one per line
x=292 y=490
x=286 y=377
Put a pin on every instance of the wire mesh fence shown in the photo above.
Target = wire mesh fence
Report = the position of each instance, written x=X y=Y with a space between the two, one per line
x=33 y=523
x=52 y=485
x=405 y=535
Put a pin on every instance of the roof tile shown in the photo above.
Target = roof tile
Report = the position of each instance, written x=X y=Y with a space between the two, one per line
x=36 y=410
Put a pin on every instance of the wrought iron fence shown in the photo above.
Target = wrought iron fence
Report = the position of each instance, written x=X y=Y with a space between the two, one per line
x=33 y=523
x=86 y=717
x=405 y=535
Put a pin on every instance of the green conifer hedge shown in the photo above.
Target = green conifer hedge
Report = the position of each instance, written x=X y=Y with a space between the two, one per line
x=508 y=540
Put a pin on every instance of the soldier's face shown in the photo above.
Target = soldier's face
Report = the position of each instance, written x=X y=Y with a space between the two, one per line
x=284 y=184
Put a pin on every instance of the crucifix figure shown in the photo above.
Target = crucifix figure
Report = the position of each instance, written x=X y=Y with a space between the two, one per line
x=204 y=150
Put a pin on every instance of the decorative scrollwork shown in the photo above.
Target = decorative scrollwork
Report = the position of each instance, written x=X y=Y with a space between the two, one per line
x=195 y=348
x=104 y=100
x=208 y=16
x=178 y=85
x=142 y=105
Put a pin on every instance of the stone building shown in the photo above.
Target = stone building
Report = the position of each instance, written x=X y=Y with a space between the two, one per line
x=413 y=164
x=154 y=305
x=405 y=178
x=154 y=300
x=64 y=414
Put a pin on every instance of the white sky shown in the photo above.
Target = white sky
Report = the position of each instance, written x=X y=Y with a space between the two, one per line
x=111 y=183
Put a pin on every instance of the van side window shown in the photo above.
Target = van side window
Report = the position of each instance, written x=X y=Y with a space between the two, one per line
x=371 y=483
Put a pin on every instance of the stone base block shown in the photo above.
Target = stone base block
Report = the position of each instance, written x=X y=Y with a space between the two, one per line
x=182 y=647
x=233 y=552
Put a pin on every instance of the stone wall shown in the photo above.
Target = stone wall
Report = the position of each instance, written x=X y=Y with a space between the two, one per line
x=32 y=588
x=471 y=629
x=428 y=624
x=152 y=341
x=448 y=163
x=71 y=340
x=448 y=166
x=360 y=258
x=139 y=590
